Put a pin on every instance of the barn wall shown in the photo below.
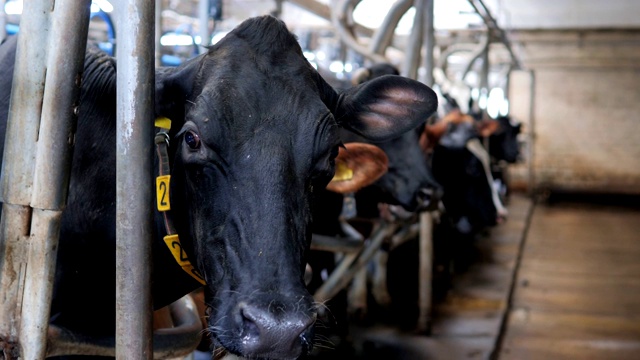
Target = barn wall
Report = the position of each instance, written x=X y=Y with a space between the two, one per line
x=586 y=125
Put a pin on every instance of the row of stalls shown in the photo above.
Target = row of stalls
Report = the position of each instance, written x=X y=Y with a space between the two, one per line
x=471 y=65
x=460 y=48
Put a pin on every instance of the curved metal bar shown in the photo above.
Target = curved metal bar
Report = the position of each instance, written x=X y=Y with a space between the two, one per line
x=482 y=48
x=412 y=52
x=382 y=37
x=492 y=25
x=168 y=343
x=339 y=21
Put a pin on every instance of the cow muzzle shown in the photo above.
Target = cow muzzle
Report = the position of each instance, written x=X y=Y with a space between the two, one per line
x=273 y=330
x=428 y=198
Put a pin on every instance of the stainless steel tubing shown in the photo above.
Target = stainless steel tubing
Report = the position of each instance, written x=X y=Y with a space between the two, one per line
x=38 y=145
x=134 y=139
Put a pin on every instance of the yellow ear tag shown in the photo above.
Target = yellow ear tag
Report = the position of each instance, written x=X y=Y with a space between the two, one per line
x=173 y=243
x=163 y=122
x=343 y=172
x=162 y=192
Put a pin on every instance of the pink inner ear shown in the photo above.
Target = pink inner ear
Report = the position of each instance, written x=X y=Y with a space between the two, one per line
x=392 y=109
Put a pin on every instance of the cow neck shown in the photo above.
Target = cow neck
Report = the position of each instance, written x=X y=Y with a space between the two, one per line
x=163 y=181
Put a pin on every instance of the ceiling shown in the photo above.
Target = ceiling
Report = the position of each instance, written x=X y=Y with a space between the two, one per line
x=510 y=14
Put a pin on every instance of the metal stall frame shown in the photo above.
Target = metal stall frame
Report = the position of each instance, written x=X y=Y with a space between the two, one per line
x=36 y=167
x=134 y=149
x=41 y=123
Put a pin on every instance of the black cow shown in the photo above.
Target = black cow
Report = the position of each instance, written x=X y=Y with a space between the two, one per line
x=409 y=181
x=503 y=142
x=255 y=131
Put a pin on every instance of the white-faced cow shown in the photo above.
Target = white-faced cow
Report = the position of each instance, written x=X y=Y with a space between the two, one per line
x=254 y=131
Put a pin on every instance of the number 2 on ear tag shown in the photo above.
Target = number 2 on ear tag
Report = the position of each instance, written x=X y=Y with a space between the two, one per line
x=162 y=192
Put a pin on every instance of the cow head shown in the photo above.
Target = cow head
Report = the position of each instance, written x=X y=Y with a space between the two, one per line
x=257 y=131
x=409 y=181
x=503 y=142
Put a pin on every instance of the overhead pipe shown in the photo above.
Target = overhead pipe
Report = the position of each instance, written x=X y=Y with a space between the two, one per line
x=339 y=19
x=491 y=23
x=414 y=45
x=134 y=218
x=429 y=39
x=383 y=36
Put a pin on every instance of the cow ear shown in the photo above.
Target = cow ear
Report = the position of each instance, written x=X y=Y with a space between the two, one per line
x=385 y=107
x=173 y=89
x=358 y=165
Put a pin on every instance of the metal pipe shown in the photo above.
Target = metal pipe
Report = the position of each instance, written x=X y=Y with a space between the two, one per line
x=412 y=53
x=494 y=28
x=134 y=139
x=429 y=43
x=339 y=16
x=532 y=133
x=330 y=288
x=203 y=21
x=382 y=37
x=69 y=21
x=425 y=272
x=18 y=161
x=3 y=21
x=158 y=33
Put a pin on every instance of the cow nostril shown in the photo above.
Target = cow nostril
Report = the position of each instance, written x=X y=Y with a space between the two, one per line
x=249 y=326
x=273 y=332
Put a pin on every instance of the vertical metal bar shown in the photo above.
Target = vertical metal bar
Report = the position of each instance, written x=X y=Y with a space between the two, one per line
x=3 y=21
x=203 y=25
x=134 y=139
x=69 y=21
x=429 y=43
x=532 y=133
x=158 y=32
x=425 y=275
x=412 y=54
x=18 y=166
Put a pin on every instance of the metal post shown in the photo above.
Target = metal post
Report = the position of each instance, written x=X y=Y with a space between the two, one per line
x=41 y=125
x=429 y=43
x=134 y=139
x=426 y=269
x=19 y=159
x=203 y=22
x=3 y=21
x=158 y=32
x=69 y=21
x=412 y=54
x=532 y=133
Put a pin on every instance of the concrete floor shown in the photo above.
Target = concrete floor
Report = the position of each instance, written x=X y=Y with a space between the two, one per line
x=556 y=281
x=577 y=293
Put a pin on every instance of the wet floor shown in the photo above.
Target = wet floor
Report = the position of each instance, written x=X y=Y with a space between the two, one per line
x=558 y=280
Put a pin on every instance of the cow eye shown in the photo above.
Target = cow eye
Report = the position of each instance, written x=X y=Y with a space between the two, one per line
x=192 y=139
